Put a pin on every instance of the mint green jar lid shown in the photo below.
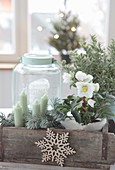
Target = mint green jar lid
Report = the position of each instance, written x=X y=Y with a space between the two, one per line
x=36 y=59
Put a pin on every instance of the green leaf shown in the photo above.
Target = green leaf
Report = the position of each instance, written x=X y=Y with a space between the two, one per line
x=76 y=115
x=73 y=104
x=71 y=73
x=72 y=84
x=100 y=96
x=86 y=99
x=70 y=97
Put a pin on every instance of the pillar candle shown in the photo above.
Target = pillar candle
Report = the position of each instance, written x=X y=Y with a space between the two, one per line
x=36 y=108
x=43 y=105
x=23 y=102
x=18 y=116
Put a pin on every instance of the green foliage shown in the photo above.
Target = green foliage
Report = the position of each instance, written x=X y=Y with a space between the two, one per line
x=100 y=63
x=6 y=121
x=111 y=50
x=68 y=40
x=32 y=122
x=97 y=61
x=103 y=104
x=70 y=105
x=52 y=118
x=84 y=113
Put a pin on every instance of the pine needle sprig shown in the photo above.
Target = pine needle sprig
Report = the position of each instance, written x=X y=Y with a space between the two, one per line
x=6 y=121
x=52 y=117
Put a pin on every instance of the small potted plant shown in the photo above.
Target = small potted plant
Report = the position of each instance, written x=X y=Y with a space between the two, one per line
x=97 y=61
x=89 y=108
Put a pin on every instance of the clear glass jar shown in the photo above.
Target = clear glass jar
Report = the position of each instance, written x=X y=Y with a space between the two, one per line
x=35 y=76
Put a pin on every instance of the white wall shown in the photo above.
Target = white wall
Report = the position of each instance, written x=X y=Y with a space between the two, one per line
x=5 y=88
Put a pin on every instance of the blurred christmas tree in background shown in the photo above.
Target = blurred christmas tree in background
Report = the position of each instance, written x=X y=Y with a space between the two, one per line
x=65 y=36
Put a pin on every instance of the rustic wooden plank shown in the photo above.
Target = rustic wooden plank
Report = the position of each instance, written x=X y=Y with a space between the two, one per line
x=17 y=141
x=111 y=148
x=19 y=147
x=104 y=142
x=105 y=129
x=111 y=141
x=78 y=164
x=17 y=166
x=1 y=144
x=111 y=125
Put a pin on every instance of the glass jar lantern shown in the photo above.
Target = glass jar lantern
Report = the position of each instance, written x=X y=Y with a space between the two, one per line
x=34 y=77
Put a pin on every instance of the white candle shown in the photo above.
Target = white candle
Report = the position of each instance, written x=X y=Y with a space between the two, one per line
x=18 y=116
x=36 y=108
x=43 y=105
x=23 y=102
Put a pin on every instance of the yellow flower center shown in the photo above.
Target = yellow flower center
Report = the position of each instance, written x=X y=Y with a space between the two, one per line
x=84 y=88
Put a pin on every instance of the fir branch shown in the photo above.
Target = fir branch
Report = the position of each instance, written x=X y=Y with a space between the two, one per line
x=52 y=117
x=6 y=121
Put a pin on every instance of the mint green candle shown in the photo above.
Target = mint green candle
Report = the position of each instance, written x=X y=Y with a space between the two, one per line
x=23 y=102
x=18 y=116
x=43 y=104
x=36 y=108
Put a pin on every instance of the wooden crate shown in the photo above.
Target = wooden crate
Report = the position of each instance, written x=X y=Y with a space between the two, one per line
x=93 y=149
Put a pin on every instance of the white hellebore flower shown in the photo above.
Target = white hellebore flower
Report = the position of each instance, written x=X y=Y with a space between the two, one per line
x=91 y=102
x=96 y=87
x=85 y=89
x=88 y=78
x=80 y=76
x=66 y=77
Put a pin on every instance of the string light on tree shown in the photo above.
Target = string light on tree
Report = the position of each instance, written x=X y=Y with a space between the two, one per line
x=65 y=26
x=61 y=14
x=56 y=36
x=39 y=28
x=73 y=29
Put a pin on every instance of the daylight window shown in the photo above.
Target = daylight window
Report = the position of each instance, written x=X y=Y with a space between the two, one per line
x=92 y=16
x=7 y=30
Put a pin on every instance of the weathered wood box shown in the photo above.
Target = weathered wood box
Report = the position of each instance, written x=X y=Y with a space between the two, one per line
x=93 y=149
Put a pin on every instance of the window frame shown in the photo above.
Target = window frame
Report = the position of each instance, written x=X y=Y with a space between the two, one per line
x=110 y=24
x=20 y=31
x=21 y=21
